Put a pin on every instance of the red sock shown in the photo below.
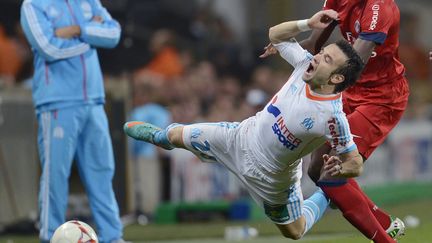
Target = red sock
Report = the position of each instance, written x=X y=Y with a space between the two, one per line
x=382 y=216
x=355 y=209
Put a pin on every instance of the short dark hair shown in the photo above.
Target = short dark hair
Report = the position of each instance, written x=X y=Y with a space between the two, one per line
x=351 y=69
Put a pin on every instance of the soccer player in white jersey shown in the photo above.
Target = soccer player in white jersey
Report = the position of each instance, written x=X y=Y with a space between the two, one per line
x=265 y=150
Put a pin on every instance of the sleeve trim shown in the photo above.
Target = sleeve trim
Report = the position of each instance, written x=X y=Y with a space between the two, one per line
x=349 y=149
x=42 y=40
x=377 y=37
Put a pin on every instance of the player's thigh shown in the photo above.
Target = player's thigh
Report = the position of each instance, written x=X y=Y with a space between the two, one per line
x=211 y=142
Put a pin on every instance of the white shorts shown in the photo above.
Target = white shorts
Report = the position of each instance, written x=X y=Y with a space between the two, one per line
x=222 y=142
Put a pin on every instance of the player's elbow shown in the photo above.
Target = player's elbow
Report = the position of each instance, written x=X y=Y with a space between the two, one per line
x=273 y=35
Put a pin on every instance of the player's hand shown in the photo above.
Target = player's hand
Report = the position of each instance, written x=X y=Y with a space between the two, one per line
x=268 y=51
x=352 y=165
x=333 y=165
x=68 y=32
x=322 y=19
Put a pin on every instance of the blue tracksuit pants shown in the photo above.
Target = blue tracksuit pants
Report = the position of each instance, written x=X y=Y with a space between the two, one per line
x=79 y=132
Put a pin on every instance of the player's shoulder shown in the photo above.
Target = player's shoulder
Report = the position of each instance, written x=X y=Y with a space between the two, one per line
x=335 y=105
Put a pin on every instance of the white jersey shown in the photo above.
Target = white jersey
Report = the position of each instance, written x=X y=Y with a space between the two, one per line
x=265 y=150
x=296 y=121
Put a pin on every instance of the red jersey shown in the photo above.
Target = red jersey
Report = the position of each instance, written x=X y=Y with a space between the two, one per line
x=377 y=21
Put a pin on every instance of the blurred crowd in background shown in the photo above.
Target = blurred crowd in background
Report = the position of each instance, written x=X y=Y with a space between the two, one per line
x=192 y=62
x=187 y=65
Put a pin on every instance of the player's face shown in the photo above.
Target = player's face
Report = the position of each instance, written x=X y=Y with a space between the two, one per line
x=323 y=64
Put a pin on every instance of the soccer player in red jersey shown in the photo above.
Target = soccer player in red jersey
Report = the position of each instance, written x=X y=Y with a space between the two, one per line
x=373 y=106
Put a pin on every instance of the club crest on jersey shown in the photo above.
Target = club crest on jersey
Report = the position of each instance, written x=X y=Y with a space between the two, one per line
x=58 y=132
x=357 y=26
x=196 y=132
x=307 y=123
x=87 y=10
x=52 y=12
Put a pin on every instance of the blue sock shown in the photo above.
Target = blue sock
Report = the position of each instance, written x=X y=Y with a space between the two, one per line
x=314 y=208
x=161 y=137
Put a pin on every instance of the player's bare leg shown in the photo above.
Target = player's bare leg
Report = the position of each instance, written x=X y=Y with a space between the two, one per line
x=293 y=230
x=175 y=136
x=172 y=137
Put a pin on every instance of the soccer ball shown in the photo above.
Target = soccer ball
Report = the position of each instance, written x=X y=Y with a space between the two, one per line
x=74 y=231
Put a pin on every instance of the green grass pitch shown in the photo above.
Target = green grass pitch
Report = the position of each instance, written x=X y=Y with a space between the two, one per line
x=331 y=229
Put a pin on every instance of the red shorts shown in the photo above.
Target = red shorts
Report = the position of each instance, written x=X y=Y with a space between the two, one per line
x=372 y=112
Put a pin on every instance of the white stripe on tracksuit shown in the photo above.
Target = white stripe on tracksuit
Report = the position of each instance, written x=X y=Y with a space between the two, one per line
x=44 y=43
x=98 y=32
x=46 y=136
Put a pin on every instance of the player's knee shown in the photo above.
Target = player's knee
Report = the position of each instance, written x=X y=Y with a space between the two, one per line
x=293 y=231
x=293 y=234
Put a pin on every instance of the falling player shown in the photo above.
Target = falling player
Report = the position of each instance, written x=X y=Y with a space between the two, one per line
x=265 y=151
x=374 y=105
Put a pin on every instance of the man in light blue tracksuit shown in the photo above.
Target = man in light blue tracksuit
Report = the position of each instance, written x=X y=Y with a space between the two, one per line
x=68 y=95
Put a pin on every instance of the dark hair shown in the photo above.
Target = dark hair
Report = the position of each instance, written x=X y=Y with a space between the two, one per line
x=351 y=69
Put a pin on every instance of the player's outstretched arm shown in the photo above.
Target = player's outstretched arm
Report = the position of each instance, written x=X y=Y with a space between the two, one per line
x=345 y=165
x=286 y=30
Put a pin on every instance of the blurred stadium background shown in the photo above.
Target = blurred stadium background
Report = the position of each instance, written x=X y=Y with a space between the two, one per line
x=198 y=60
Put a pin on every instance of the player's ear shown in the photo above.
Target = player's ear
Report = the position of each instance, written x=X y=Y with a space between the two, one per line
x=337 y=78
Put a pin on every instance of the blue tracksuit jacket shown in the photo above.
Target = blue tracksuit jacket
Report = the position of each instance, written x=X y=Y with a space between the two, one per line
x=58 y=61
